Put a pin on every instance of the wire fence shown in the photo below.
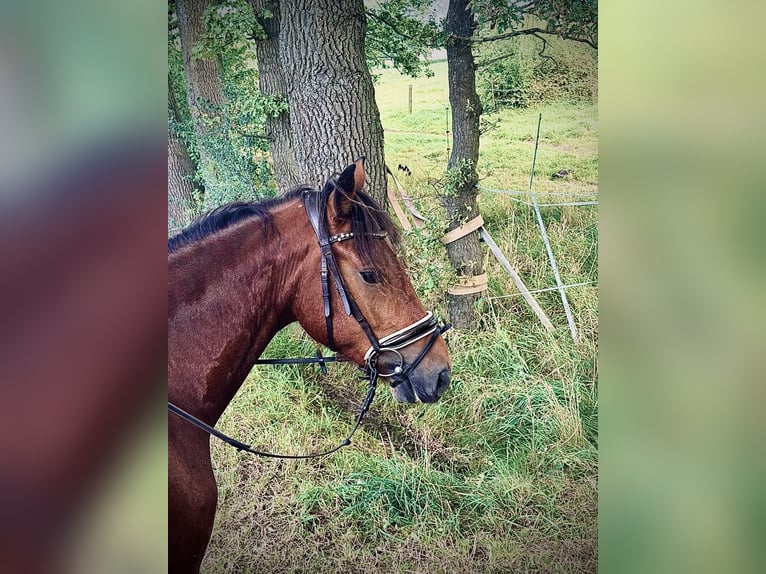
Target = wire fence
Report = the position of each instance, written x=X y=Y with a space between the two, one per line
x=512 y=193
x=529 y=198
x=526 y=192
x=584 y=284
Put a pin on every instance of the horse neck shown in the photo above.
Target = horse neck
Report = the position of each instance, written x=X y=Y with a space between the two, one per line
x=228 y=296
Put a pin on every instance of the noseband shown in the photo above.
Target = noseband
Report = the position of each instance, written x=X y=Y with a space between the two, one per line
x=316 y=210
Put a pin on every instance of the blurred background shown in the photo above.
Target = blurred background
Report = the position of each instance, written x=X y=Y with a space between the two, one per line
x=682 y=278
x=82 y=107
x=82 y=286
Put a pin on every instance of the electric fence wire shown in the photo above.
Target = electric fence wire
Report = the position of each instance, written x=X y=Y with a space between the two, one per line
x=510 y=195
x=545 y=290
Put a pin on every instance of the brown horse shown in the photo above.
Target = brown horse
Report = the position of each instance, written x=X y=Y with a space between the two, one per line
x=245 y=271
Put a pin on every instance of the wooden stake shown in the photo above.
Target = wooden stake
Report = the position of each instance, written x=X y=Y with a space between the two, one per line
x=397 y=207
x=517 y=280
x=416 y=216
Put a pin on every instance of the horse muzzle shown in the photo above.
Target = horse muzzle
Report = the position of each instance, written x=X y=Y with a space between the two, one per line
x=410 y=381
x=424 y=387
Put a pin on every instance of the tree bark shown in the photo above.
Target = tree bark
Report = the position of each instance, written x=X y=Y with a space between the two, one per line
x=333 y=115
x=180 y=186
x=271 y=81
x=203 y=78
x=460 y=201
x=181 y=202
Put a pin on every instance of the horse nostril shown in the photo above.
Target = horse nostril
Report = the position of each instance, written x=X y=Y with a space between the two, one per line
x=443 y=382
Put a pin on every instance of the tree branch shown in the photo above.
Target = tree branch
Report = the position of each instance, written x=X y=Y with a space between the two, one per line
x=388 y=23
x=483 y=63
x=541 y=53
x=531 y=32
x=392 y=25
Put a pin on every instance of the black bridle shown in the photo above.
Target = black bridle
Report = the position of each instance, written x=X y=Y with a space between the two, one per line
x=316 y=209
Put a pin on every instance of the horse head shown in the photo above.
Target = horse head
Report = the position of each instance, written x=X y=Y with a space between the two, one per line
x=374 y=316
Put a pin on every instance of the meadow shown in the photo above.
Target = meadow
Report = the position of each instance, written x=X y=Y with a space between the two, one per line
x=501 y=474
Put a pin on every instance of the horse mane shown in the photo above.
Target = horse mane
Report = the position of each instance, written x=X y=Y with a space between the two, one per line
x=367 y=217
x=226 y=216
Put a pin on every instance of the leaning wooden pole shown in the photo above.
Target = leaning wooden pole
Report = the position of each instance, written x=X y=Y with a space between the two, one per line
x=516 y=280
x=416 y=216
x=395 y=205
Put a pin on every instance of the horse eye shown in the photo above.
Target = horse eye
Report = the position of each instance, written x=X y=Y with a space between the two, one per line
x=369 y=276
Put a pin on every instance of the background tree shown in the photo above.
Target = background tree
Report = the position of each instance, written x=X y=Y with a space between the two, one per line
x=467 y=24
x=460 y=198
x=203 y=79
x=226 y=140
x=318 y=51
x=272 y=84
x=181 y=200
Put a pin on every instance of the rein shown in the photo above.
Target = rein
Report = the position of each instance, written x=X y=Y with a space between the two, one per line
x=247 y=448
x=315 y=204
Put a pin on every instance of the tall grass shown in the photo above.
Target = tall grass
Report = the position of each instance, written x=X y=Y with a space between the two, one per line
x=501 y=474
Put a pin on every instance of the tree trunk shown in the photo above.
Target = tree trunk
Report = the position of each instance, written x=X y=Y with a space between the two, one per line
x=181 y=202
x=180 y=186
x=333 y=115
x=460 y=199
x=203 y=78
x=271 y=81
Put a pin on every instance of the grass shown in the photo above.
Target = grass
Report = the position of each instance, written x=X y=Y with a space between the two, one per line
x=501 y=474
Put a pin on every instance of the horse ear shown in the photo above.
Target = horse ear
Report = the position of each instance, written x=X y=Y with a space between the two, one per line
x=350 y=181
